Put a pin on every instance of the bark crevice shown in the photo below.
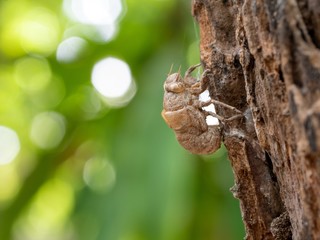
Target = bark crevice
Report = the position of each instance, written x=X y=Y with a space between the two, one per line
x=265 y=60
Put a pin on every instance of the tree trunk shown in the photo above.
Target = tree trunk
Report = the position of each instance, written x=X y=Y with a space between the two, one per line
x=264 y=60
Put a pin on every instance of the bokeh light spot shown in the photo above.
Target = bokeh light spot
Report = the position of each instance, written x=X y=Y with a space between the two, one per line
x=203 y=97
x=48 y=129
x=39 y=31
x=112 y=78
x=98 y=18
x=32 y=74
x=71 y=49
x=95 y=12
x=99 y=174
x=9 y=145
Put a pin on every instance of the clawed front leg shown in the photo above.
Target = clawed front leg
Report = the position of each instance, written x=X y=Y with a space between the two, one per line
x=191 y=69
x=202 y=85
x=226 y=106
x=234 y=117
x=207 y=103
x=222 y=119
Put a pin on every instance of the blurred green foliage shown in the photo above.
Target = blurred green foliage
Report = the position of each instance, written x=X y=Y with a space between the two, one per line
x=87 y=170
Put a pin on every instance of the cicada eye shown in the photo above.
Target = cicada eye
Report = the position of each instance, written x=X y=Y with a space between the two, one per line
x=175 y=87
x=174 y=83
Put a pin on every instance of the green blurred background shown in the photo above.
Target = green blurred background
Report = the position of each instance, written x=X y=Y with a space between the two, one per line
x=84 y=152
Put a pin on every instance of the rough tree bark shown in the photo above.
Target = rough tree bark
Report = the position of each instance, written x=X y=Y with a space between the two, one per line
x=265 y=60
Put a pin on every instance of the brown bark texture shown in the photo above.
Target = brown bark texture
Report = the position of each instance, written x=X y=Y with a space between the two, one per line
x=264 y=60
